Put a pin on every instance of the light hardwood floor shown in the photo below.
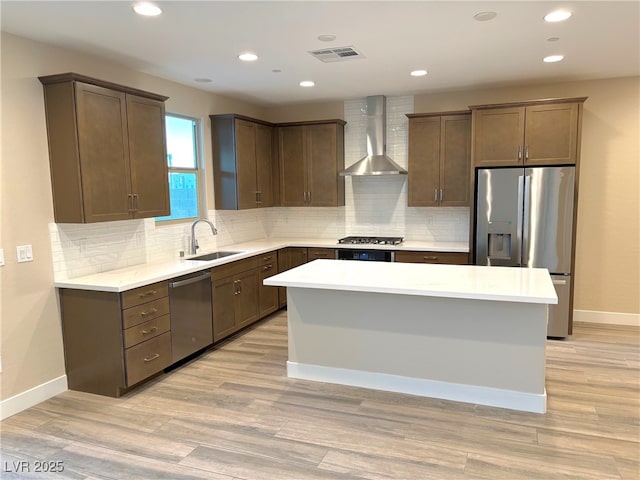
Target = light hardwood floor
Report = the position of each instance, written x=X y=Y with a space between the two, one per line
x=233 y=414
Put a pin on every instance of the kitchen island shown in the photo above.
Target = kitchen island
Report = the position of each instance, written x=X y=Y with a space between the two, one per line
x=459 y=332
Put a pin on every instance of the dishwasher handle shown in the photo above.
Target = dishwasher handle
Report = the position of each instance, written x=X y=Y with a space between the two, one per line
x=189 y=281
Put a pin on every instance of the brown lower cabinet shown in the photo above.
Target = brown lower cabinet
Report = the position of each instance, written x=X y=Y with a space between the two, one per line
x=239 y=297
x=451 y=258
x=269 y=296
x=235 y=296
x=113 y=341
x=289 y=257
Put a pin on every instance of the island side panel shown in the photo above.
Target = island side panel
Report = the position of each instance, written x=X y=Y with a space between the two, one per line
x=499 y=345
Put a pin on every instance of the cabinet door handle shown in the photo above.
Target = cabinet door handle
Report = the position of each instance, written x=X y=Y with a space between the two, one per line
x=146 y=294
x=152 y=357
x=309 y=196
x=151 y=330
x=526 y=152
x=519 y=152
x=435 y=194
x=430 y=258
x=441 y=195
x=135 y=202
x=148 y=312
x=130 y=198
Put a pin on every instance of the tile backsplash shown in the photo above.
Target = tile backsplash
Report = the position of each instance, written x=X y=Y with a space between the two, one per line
x=374 y=206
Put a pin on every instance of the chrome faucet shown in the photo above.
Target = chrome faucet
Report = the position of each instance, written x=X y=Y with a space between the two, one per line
x=194 y=242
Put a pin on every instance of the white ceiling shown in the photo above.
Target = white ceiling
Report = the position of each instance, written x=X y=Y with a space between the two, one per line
x=195 y=39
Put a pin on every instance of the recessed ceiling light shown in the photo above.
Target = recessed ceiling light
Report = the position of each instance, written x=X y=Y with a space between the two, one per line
x=147 y=9
x=326 y=38
x=553 y=58
x=248 y=57
x=557 y=16
x=276 y=70
x=418 y=73
x=485 y=16
x=202 y=80
x=553 y=39
x=307 y=83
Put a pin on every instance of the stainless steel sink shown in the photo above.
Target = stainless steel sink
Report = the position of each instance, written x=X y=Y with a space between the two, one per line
x=213 y=255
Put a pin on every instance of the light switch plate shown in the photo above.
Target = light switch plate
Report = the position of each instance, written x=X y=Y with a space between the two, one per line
x=24 y=253
x=1 y=257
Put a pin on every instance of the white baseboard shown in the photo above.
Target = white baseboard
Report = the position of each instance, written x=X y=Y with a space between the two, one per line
x=493 y=397
x=33 y=396
x=610 y=318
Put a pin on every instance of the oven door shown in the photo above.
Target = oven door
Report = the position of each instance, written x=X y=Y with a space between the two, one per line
x=368 y=255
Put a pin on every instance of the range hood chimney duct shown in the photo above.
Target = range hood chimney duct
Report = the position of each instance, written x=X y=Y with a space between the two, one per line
x=376 y=162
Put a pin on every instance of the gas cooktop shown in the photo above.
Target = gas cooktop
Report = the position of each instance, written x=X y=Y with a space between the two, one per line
x=372 y=240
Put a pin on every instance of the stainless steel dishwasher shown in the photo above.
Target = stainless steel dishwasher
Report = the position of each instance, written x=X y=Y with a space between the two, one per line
x=191 y=319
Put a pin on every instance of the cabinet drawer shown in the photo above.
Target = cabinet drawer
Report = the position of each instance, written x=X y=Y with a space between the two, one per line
x=316 y=253
x=146 y=331
x=148 y=358
x=144 y=294
x=234 y=268
x=267 y=258
x=452 y=258
x=147 y=311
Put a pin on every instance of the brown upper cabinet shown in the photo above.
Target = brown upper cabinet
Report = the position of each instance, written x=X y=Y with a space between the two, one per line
x=311 y=156
x=243 y=162
x=542 y=132
x=439 y=159
x=107 y=150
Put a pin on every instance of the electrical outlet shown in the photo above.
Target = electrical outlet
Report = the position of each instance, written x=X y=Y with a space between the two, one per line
x=1 y=257
x=24 y=253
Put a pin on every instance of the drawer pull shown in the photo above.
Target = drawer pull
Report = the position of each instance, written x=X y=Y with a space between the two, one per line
x=152 y=358
x=430 y=258
x=150 y=312
x=146 y=294
x=266 y=259
x=267 y=267
x=151 y=330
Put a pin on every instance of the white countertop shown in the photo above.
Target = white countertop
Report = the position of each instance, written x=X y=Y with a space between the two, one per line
x=506 y=284
x=135 y=276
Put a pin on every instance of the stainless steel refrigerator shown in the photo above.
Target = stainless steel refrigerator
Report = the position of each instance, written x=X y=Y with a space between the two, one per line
x=524 y=218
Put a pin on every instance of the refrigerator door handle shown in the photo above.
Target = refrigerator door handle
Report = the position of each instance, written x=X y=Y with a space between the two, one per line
x=517 y=256
x=526 y=233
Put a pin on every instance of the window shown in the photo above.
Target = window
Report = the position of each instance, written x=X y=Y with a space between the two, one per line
x=184 y=176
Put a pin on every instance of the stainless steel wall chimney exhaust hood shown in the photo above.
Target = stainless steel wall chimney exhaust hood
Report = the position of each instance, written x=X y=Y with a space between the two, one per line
x=376 y=162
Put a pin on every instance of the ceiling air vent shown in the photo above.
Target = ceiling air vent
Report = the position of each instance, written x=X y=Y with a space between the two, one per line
x=336 y=54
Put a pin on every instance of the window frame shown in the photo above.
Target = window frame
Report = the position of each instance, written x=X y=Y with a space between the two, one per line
x=199 y=153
